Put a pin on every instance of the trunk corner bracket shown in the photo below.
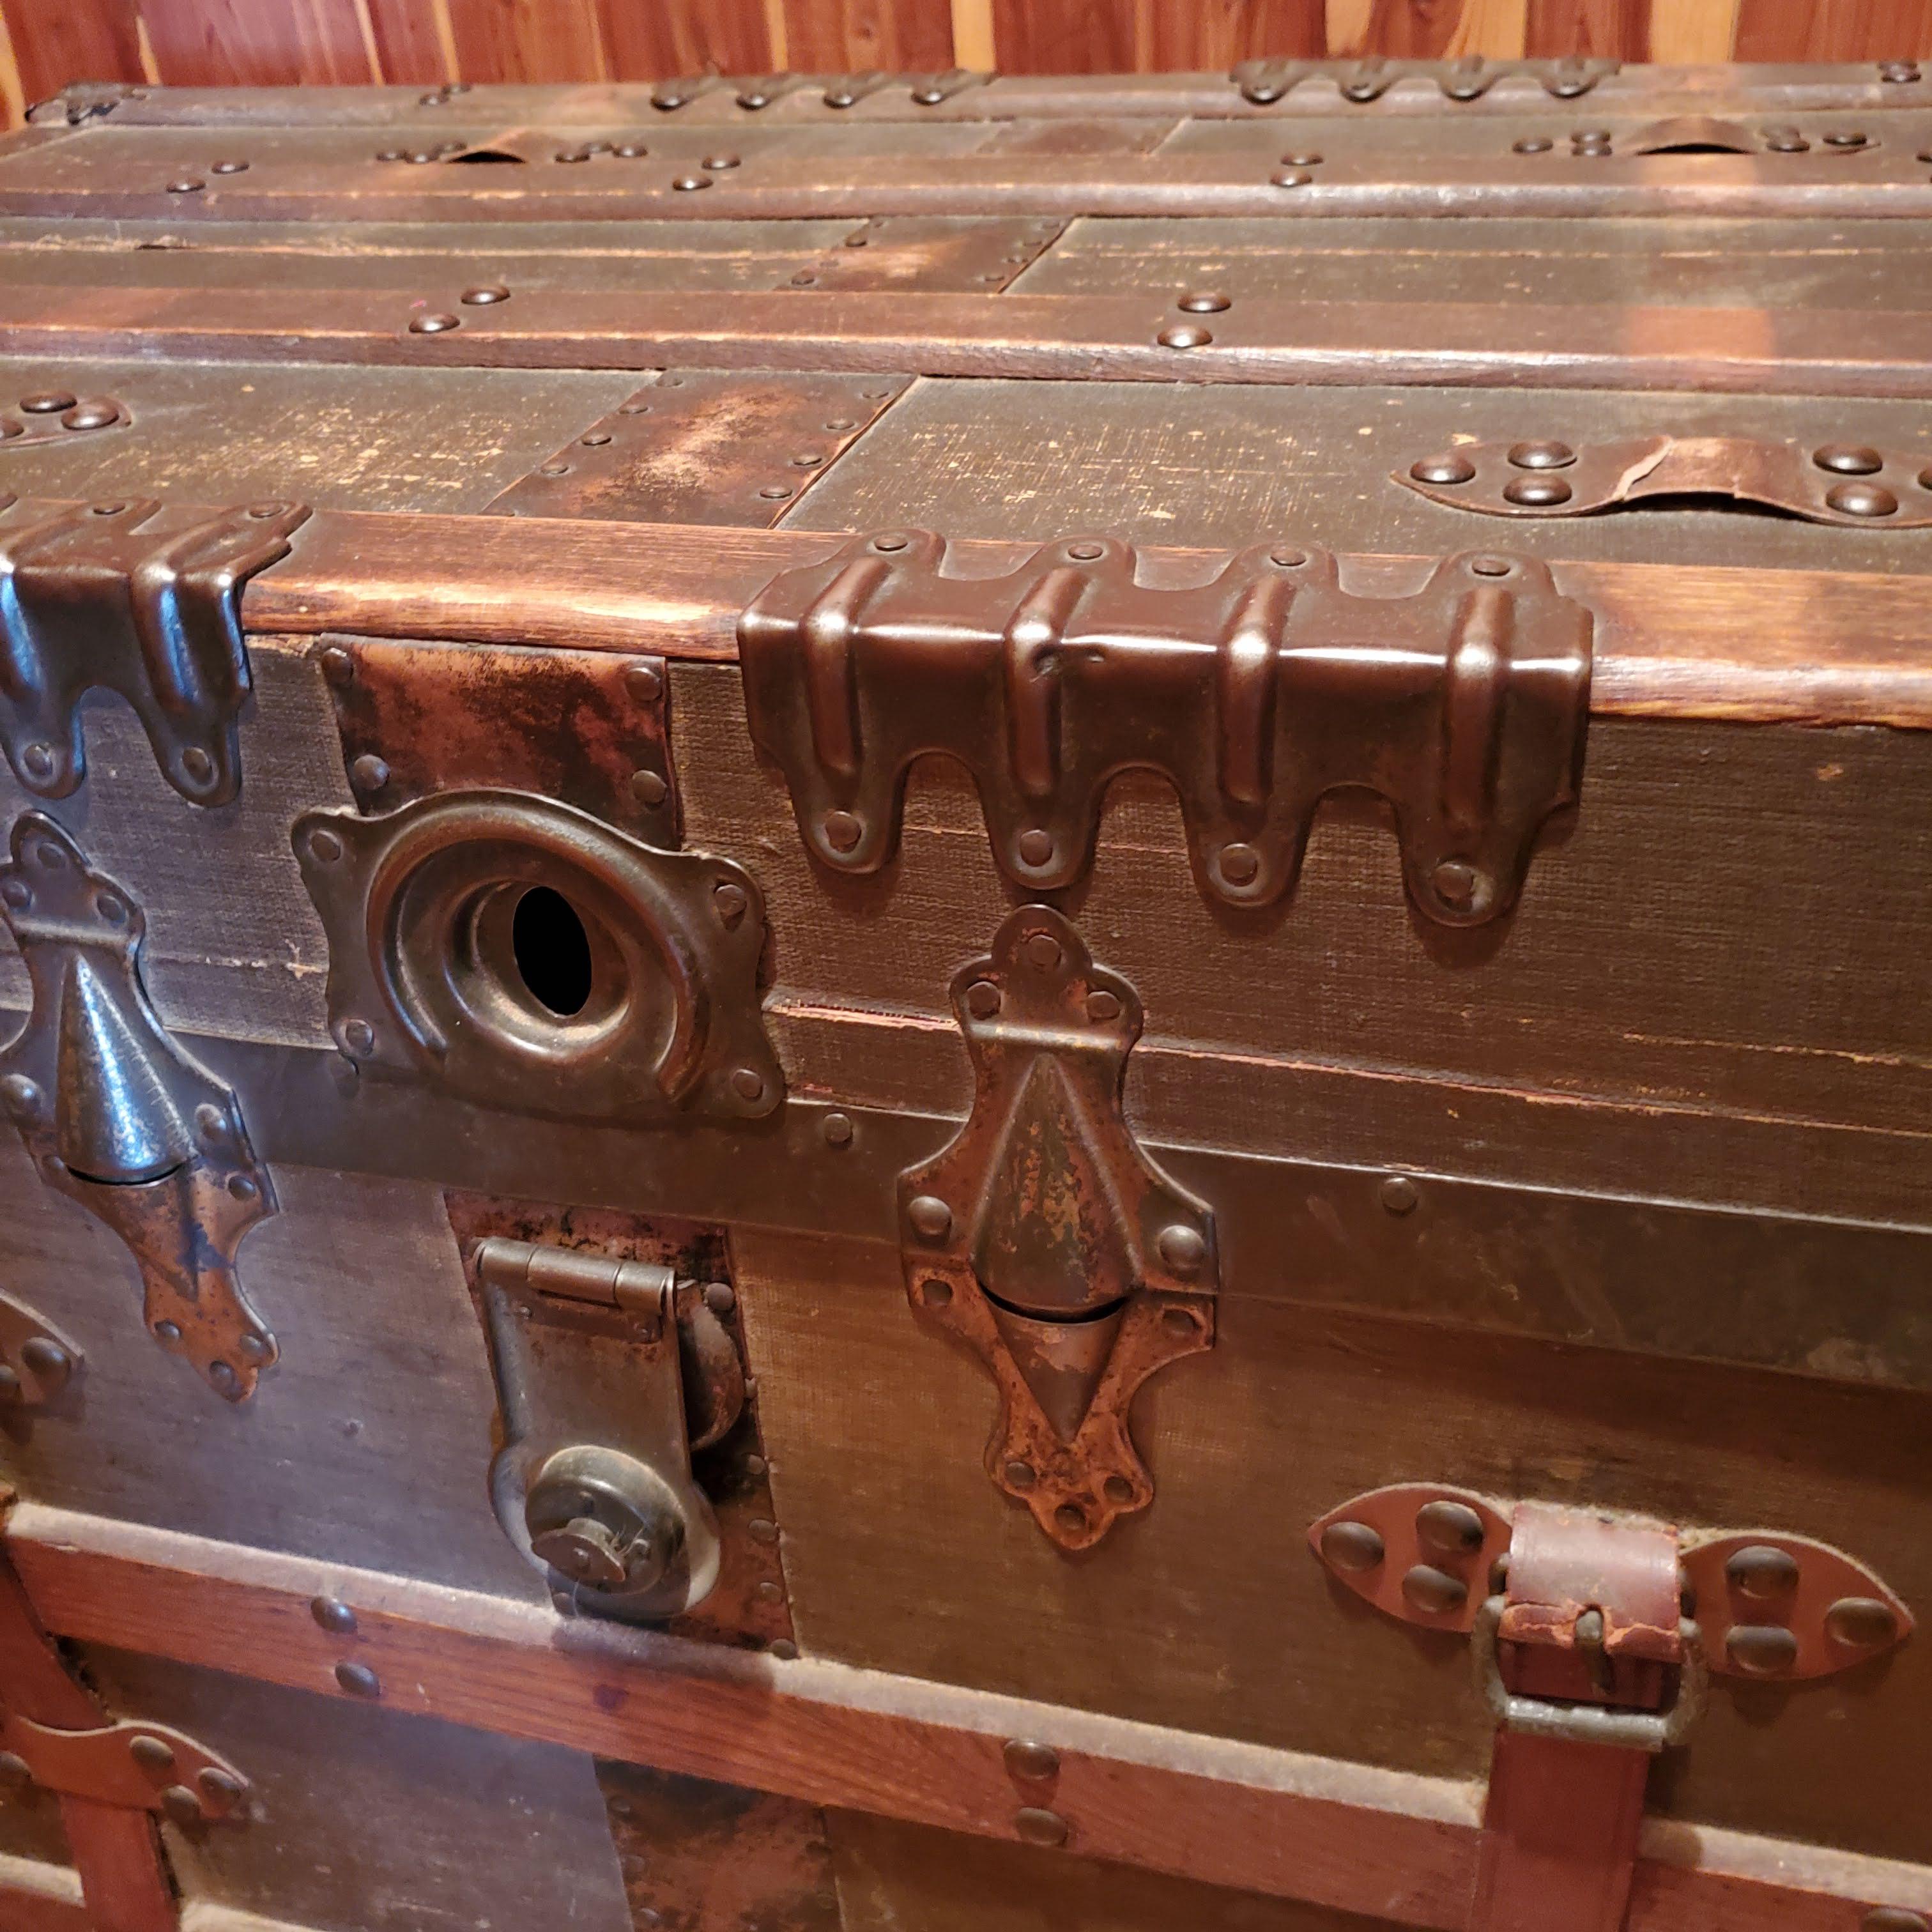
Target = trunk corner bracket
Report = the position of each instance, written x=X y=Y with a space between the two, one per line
x=1043 y=1238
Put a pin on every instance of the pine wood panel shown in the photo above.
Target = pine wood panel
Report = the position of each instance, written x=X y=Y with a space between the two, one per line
x=307 y=42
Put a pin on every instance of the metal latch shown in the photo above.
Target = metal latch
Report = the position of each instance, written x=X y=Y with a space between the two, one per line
x=609 y=1372
x=1845 y=483
x=1044 y=1238
x=119 y=1118
x=135 y=598
x=1255 y=695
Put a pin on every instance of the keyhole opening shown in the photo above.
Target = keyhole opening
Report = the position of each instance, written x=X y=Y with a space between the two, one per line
x=552 y=951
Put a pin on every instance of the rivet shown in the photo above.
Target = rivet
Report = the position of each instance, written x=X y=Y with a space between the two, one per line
x=52 y=858
x=153 y=1755
x=1862 y=499
x=197 y=765
x=1448 y=1528
x=769 y=1592
x=221 y=1790
x=720 y=161
x=1039 y=1827
x=643 y=684
x=10 y=1384
x=747 y=1083
x=649 y=788
x=187 y=185
x=842 y=830
x=253 y=1348
x=1241 y=865
x=1456 y=880
x=358 y=1680
x=1893 y=1918
x=423 y=157
x=553 y=468
x=47 y=1359
x=1443 y=469
x=1849 y=139
x=839 y=425
x=1353 y=1546
x=1536 y=492
x=837 y=1129
x=325 y=846
x=391 y=154
x=1179 y=1321
x=1071 y=1517
x=47 y=403
x=930 y=1217
x=934 y=1292
x=180 y=1806
x=1542 y=455
x=39 y=761
x=338 y=667
x=1303 y=160
x=1786 y=141
x=1086 y=553
x=18 y=894
x=891 y=541
x=1204 y=301
x=108 y=509
x=570 y=154
x=369 y=772
x=485 y=293
x=762 y=1529
x=982 y=999
x=22 y=1096
x=1898 y=70
x=1019 y=1474
x=1434 y=1591
x=630 y=151
x=1182 y=1248
x=435 y=324
x=1032 y=1763
x=223 y=1375
x=167 y=1331
x=1118 y=1489
x=595 y=438
x=96 y=412
x=1290 y=178
x=1848 y=459
x=230 y=168
x=1760 y=1650
x=358 y=1037
x=241 y=1188
x=1398 y=1194
x=14 y=1769
x=1184 y=335
x=1102 y=1005
x=730 y=902
x=783 y=1648
x=687 y=184
x=1041 y=951
x=1861 y=1623
x=808 y=459
x=1035 y=847
x=634 y=406
x=720 y=1298
x=1534 y=144
x=777 y=493
x=1761 y=1571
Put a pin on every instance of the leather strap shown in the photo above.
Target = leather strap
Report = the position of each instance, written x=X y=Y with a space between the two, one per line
x=1590 y=1617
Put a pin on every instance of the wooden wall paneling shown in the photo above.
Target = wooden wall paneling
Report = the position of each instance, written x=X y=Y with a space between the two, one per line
x=1211 y=35
x=528 y=40
x=1064 y=36
x=652 y=40
x=1691 y=32
x=1600 y=29
x=1427 y=29
x=414 y=41
x=1832 y=30
x=850 y=36
x=244 y=44
x=56 y=41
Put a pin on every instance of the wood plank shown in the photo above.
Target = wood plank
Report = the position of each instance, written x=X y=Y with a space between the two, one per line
x=1277 y=1823
x=858 y=36
x=1672 y=640
x=237 y=43
x=1691 y=31
x=1064 y=36
x=1596 y=29
x=408 y=46
x=55 y=42
x=668 y=37
x=1833 y=30
x=1810 y=352
x=529 y=40
x=1210 y=39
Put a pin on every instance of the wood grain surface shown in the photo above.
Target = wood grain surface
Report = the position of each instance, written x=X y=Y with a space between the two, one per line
x=46 y=43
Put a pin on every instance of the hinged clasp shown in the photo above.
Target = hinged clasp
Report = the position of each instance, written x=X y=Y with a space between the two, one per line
x=1255 y=694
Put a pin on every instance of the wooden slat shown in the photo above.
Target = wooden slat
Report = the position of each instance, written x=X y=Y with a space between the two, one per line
x=239 y=43
x=1600 y=29
x=528 y=40
x=408 y=48
x=1393 y=1845
x=1811 y=352
x=1833 y=30
x=1427 y=29
x=1671 y=640
x=665 y=37
x=855 y=36
x=1694 y=31
x=57 y=41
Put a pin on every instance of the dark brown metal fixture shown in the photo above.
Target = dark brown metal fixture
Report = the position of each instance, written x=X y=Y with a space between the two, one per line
x=130 y=1766
x=1264 y=81
x=130 y=598
x=119 y=1119
x=431 y=975
x=36 y=1361
x=1594 y=1636
x=607 y=1377
x=757 y=92
x=1255 y=695
x=1044 y=1238
x=1836 y=483
x=57 y=416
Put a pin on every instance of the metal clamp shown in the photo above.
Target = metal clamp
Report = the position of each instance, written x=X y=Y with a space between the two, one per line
x=1652 y=1731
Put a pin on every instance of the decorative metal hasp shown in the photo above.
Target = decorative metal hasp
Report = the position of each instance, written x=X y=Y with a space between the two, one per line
x=119 y=1119
x=1044 y=1239
x=130 y=598
x=1255 y=695
x=1845 y=483
x=130 y=1766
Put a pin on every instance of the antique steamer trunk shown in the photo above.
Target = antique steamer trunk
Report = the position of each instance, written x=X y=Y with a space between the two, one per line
x=946 y=1004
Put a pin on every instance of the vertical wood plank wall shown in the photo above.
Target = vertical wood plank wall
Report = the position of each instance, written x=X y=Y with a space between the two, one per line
x=46 y=43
